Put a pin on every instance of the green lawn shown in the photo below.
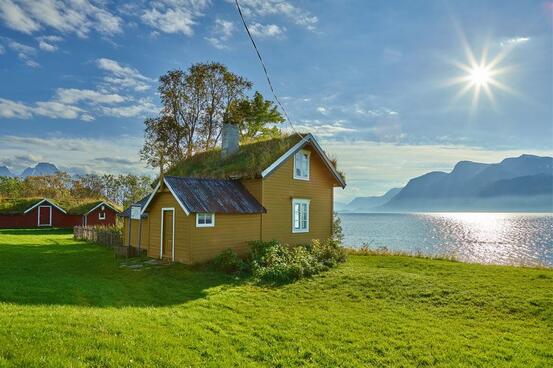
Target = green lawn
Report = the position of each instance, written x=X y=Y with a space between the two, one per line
x=68 y=303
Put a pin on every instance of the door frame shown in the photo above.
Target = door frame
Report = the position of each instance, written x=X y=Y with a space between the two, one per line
x=38 y=215
x=163 y=210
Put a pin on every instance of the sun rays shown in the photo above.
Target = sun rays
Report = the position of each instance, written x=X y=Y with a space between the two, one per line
x=481 y=75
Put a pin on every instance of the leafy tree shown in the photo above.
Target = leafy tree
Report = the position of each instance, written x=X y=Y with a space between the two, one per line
x=10 y=187
x=256 y=117
x=56 y=186
x=194 y=103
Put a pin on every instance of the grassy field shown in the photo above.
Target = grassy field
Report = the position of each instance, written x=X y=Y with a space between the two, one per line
x=68 y=303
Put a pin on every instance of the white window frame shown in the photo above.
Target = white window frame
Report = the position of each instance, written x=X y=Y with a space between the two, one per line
x=163 y=210
x=101 y=215
x=38 y=215
x=299 y=154
x=198 y=215
x=298 y=201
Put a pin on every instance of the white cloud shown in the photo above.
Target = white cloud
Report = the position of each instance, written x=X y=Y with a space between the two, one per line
x=278 y=7
x=24 y=53
x=170 y=20
x=322 y=128
x=266 y=31
x=79 y=17
x=87 y=104
x=52 y=109
x=174 y=16
x=123 y=76
x=16 y=18
x=87 y=154
x=56 y=110
x=12 y=109
x=221 y=33
x=322 y=110
x=46 y=46
x=142 y=107
x=514 y=41
x=21 y=48
x=72 y=95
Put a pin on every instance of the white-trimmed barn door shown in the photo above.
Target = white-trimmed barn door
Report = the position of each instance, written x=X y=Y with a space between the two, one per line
x=44 y=217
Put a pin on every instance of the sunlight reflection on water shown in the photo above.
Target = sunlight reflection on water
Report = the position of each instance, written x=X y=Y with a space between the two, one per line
x=498 y=238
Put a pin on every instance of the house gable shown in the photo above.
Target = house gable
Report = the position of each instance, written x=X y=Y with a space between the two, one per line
x=310 y=140
x=280 y=188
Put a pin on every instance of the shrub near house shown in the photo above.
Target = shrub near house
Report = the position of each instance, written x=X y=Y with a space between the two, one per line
x=280 y=189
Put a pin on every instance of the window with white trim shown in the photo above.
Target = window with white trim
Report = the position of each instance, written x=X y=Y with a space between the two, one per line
x=301 y=165
x=101 y=215
x=300 y=215
x=205 y=219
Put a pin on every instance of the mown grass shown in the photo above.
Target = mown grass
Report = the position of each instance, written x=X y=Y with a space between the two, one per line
x=65 y=303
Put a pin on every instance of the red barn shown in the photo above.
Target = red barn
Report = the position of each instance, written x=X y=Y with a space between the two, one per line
x=43 y=212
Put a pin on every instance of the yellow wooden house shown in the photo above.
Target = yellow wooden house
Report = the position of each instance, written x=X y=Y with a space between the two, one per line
x=280 y=189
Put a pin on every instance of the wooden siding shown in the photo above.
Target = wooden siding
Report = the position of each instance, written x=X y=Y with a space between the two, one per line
x=255 y=187
x=232 y=231
x=135 y=226
x=164 y=199
x=93 y=218
x=280 y=187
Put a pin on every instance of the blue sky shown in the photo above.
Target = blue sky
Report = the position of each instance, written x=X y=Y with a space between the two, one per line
x=374 y=80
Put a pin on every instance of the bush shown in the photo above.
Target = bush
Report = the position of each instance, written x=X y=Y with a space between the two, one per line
x=337 y=231
x=229 y=262
x=276 y=263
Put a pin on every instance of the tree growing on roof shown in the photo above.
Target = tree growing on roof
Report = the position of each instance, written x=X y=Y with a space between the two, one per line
x=257 y=118
x=195 y=103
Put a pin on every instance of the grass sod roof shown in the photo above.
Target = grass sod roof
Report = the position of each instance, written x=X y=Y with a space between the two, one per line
x=248 y=163
x=10 y=206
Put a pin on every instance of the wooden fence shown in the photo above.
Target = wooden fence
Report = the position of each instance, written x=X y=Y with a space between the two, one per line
x=109 y=236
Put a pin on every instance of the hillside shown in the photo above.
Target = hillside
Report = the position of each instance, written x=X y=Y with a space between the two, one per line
x=367 y=204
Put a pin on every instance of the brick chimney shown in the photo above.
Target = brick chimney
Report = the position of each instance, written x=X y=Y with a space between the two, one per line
x=230 y=139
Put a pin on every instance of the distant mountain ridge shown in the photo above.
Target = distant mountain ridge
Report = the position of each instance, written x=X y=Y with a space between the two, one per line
x=42 y=168
x=523 y=183
x=362 y=204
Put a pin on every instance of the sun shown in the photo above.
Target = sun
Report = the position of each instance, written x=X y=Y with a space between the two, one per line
x=480 y=75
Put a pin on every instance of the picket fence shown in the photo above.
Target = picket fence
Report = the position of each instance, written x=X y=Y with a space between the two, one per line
x=108 y=236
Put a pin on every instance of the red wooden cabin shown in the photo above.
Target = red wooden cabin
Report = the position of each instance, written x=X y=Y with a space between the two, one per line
x=43 y=212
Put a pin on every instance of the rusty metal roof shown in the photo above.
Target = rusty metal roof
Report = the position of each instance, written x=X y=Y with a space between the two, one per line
x=141 y=203
x=199 y=195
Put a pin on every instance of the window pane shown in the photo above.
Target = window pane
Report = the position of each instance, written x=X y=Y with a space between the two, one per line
x=208 y=219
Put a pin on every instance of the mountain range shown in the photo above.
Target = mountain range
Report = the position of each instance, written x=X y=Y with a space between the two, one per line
x=523 y=183
x=42 y=168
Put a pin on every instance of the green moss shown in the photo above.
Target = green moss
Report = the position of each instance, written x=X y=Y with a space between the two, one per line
x=9 y=206
x=247 y=163
x=65 y=303
x=72 y=206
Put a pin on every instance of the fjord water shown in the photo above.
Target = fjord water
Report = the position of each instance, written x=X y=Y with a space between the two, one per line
x=494 y=238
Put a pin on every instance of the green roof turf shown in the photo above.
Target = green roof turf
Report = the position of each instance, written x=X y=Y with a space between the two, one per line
x=73 y=207
x=248 y=163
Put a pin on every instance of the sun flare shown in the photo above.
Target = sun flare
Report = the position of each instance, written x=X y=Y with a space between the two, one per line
x=480 y=75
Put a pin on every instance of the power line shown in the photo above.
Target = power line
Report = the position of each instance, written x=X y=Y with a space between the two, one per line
x=265 y=69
